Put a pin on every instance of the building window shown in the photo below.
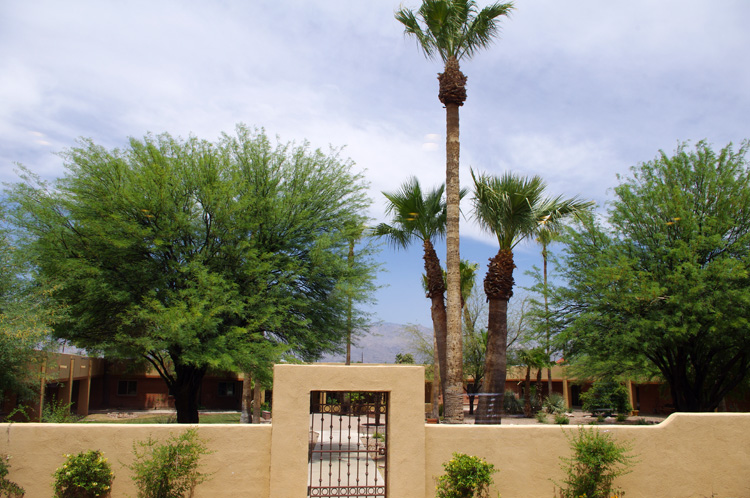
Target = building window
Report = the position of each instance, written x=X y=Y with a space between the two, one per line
x=126 y=387
x=226 y=388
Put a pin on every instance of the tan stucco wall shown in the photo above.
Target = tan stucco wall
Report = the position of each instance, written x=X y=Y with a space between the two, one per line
x=686 y=456
x=239 y=463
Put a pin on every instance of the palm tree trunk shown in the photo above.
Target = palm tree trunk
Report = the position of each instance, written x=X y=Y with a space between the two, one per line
x=436 y=293
x=546 y=321
x=453 y=393
x=495 y=363
x=498 y=287
x=435 y=381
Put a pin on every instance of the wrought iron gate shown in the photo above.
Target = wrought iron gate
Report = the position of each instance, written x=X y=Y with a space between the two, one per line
x=348 y=444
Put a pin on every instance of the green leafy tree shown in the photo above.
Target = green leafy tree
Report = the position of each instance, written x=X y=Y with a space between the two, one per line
x=512 y=208
x=404 y=358
x=195 y=254
x=452 y=30
x=25 y=316
x=664 y=285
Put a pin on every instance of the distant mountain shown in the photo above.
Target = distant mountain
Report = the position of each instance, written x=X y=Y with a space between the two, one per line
x=380 y=344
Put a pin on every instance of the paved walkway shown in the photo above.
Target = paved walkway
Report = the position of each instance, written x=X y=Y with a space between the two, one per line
x=340 y=458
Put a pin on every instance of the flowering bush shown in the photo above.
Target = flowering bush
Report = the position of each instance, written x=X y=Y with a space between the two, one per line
x=465 y=477
x=85 y=475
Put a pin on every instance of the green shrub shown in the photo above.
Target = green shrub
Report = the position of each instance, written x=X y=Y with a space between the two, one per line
x=57 y=412
x=168 y=470
x=622 y=417
x=465 y=477
x=85 y=475
x=554 y=403
x=511 y=404
x=597 y=460
x=8 y=489
x=561 y=419
x=541 y=417
x=606 y=393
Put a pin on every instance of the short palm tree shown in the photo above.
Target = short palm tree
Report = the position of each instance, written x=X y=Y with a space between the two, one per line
x=453 y=30
x=419 y=215
x=512 y=208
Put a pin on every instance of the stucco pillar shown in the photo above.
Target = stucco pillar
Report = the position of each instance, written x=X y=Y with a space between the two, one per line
x=566 y=393
x=291 y=422
x=84 y=392
x=67 y=391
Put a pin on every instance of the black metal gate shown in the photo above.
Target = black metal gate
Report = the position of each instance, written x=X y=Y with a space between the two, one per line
x=348 y=444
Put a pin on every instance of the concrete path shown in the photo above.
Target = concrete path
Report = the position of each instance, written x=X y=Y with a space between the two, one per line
x=343 y=460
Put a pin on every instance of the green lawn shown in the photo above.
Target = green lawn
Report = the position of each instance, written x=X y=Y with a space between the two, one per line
x=161 y=418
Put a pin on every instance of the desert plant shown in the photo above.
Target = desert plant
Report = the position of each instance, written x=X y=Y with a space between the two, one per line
x=606 y=393
x=597 y=460
x=561 y=419
x=511 y=404
x=541 y=417
x=83 y=475
x=8 y=489
x=170 y=469
x=554 y=403
x=58 y=412
x=622 y=417
x=465 y=477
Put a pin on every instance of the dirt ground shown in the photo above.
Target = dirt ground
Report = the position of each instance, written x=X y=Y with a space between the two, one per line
x=577 y=417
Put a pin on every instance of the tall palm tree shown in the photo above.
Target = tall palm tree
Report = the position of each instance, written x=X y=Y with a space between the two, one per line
x=512 y=208
x=419 y=215
x=453 y=30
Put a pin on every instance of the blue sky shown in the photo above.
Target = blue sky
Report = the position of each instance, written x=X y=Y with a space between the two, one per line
x=576 y=92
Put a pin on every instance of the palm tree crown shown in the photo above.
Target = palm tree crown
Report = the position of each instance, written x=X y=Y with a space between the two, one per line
x=513 y=207
x=416 y=214
x=452 y=28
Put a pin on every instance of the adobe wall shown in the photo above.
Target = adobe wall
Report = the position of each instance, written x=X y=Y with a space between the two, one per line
x=239 y=463
x=687 y=456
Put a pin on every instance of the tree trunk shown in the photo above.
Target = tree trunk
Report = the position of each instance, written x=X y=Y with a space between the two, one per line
x=435 y=381
x=539 y=389
x=527 y=393
x=349 y=322
x=257 y=394
x=187 y=384
x=546 y=321
x=247 y=395
x=453 y=394
x=498 y=287
x=496 y=360
x=436 y=293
